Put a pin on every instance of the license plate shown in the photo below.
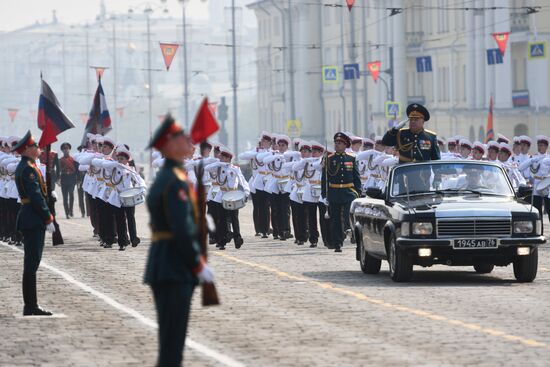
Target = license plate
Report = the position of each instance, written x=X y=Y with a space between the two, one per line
x=475 y=243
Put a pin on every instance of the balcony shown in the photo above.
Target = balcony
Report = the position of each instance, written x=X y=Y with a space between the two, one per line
x=519 y=22
x=414 y=39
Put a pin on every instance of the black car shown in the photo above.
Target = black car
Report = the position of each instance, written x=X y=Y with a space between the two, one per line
x=458 y=213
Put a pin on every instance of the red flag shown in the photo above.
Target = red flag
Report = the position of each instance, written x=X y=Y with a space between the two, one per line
x=168 y=52
x=502 y=40
x=205 y=123
x=490 y=132
x=12 y=112
x=120 y=111
x=350 y=4
x=374 y=68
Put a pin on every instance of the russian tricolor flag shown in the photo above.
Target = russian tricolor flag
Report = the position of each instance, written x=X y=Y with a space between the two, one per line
x=51 y=118
x=99 y=121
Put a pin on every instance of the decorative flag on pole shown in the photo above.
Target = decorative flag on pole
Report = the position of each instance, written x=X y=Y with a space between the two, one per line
x=51 y=118
x=374 y=68
x=12 y=112
x=205 y=123
x=120 y=111
x=99 y=120
x=490 y=132
x=350 y=4
x=84 y=117
x=168 y=52
x=502 y=40
x=99 y=70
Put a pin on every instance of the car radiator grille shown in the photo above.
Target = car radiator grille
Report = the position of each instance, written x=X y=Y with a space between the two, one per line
x=474 y=228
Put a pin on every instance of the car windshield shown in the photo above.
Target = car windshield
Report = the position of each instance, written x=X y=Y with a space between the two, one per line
x=449 y=178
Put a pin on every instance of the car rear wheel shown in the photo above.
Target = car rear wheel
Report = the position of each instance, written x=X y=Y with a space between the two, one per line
x=401 y=265
x=369 y=264
x=483 y=268
x=525 y=267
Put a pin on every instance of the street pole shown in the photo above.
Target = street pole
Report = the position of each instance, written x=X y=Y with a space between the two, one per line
x=114 y=117
x=185 y=71
x=148 y=12
x=390 y=72
x=234 y=84
x=366 y=114
x=291 y=62
x=353 y=57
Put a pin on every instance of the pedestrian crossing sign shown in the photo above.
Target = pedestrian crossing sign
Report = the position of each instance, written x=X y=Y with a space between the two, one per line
x=330 y=74
x=393 y=110
x=294 y=128
x=537 y=50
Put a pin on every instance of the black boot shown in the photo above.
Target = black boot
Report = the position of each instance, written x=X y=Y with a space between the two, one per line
x=135 y=241
x=238 y=242
x=29 y=297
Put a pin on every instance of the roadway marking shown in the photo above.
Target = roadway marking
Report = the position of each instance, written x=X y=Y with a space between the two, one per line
x=221 y=358
x=392 y=306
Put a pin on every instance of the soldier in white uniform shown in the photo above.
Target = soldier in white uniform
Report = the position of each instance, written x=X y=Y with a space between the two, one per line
x=504 y=157
x=262 y=173
x=492 y=151
x=297 y=191
x=230 y=178
x=465 y=148
x=478 y=151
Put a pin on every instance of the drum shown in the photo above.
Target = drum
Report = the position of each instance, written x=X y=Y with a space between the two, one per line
x=316 y=191
x=234 y=200
x=281 y=184
x=300 y=193
x=132 y=197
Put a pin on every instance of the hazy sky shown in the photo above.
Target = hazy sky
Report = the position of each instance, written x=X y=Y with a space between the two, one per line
x=19 y=13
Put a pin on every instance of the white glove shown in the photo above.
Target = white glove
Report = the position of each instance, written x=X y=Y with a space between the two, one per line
x=206 y=275
x=50 y=228
x=54 y=195
x=401 y=124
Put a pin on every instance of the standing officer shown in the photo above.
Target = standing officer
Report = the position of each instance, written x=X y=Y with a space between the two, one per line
x=415 y=144
x=33 y=219
x=68 y=176
x=341 y=185
x=174 y=265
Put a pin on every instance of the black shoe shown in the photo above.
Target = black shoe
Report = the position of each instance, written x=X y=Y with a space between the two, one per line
x=238 y=242
x=212 y=241
x=35 y=311
x=313 y=245
x=221 y=247
x=122 y=248
x=108 y=245
x=217 y=245
x=337 y=249
x=275 y=237
x=295 y=241
x=19 y=243
x=282 y=238
x=136 y=241
x=289 y=235
x=258 y=234
x=264 y=235
x=300 y=243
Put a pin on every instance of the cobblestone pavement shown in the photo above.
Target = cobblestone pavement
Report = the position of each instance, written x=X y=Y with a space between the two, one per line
x=282 y=305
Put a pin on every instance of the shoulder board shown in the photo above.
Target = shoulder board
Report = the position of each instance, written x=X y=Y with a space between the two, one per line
x=430 y=132
x=331 y=154
x=350 y=154
x=180 y=174
x=404 y=129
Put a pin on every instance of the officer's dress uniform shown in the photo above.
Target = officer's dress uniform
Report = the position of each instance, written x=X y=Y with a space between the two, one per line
x=344 y=186
x=68 y=179
x=32 y=219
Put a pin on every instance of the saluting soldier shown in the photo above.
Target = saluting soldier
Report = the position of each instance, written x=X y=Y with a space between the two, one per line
x=33 y=219
x=415 y=144
x=341 y=185
x=174 y=265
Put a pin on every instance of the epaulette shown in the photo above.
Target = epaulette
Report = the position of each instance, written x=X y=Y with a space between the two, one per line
x=430 y=132
x=350 y=154
x=404 y=129
x=180 y=173
x=331 y=154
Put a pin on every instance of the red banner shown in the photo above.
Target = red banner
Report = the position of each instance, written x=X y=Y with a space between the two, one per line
x=502 y=41
x=84 y=117
x=374 y=68
x=350 y=4
x=12 y=112
x=168 y=53
x=120 y=111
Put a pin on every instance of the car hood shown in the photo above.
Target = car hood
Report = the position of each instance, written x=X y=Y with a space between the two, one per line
x=466 y=206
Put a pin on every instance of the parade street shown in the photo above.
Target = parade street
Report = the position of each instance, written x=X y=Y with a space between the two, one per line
x=282 y=305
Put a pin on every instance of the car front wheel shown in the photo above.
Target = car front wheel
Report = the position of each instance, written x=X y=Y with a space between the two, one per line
x=401 y=265
x=483 y=268
x=369 y=264
x=525 y=267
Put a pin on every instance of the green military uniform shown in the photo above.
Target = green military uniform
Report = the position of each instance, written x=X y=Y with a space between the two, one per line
x=174 y=256
x=341 y=184
x=32 y=219
x=414 y=147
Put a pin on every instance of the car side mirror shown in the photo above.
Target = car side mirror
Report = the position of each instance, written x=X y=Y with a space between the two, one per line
x=524 y=191
x=375 y=193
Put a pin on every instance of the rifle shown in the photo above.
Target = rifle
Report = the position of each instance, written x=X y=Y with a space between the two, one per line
x=209 y=292
x=57 y=238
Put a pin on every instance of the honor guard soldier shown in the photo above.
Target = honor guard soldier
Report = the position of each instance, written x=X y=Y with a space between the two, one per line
x=415 y=144
x=33 y=219
x=340 y=185
x=174 y=265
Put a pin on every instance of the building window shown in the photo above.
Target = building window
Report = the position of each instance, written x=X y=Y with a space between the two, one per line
x=277 y=26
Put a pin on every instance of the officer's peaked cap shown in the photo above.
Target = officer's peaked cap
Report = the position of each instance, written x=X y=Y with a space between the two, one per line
x=417 y=110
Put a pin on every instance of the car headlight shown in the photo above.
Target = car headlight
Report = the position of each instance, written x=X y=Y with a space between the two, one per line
x=523 y=226
x=422 y=228
x=405 y=229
